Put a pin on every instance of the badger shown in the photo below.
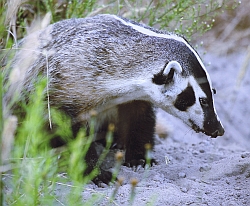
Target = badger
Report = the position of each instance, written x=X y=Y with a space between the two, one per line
x=123 y=70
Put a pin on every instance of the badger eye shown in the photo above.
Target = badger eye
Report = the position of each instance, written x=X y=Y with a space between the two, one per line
x=203 y=102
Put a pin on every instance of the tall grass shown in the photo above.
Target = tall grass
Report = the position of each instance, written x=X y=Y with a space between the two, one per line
x=33 y=170
x=1 y=132
x=1 y=97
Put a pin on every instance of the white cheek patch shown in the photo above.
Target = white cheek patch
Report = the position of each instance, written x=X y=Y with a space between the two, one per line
x=193 y=114
x=196 y=112
x=168 y=93
x=179 y=84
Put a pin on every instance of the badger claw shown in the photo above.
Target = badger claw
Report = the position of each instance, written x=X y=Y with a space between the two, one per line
x=139 y=163
x=104 y=178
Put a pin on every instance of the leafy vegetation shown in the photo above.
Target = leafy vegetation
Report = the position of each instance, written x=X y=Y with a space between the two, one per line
x=33 y=170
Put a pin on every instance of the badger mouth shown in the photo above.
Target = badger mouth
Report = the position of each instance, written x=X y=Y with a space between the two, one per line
x=197 y=129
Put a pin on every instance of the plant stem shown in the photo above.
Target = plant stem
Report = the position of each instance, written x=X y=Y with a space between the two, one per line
x=1 y=132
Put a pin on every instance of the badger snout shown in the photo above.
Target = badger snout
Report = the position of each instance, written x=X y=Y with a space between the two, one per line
x=213 y=130
x=218 y=132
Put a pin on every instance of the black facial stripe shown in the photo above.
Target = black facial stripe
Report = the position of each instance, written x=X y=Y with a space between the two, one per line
x=207 y=90
x=185 y=99
x=211 y=123
x=199 y=74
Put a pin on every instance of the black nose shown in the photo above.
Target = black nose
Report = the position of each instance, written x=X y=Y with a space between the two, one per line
x=219 y=132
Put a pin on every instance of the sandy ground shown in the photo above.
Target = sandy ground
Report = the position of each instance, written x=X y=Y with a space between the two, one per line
x=200 y=170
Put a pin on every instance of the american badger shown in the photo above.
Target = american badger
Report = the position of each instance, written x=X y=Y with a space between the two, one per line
x=123 y=70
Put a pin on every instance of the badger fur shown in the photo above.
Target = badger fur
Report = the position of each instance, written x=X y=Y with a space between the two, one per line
x=123 y=70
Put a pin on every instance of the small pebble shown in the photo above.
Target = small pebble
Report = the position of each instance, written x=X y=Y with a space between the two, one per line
x=193 y=178
x=238 y=194
x=205 y=168
x=167 y=160
x=237 y=188
x=245 y=155
x=184 y=189
x=208 y=192
x=248 y=175
x=182 y=175
x=195 y=153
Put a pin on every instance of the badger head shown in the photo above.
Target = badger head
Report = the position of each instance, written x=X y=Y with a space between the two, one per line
x=182 y=87
x=184 y=90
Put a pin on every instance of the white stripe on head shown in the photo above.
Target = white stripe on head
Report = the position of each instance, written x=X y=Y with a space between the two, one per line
x=149 y=32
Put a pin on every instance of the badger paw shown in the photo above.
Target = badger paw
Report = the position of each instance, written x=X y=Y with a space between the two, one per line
x=103 y=179
x=139 y=163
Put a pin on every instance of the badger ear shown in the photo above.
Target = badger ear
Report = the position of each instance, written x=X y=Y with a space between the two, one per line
x=172 y=65
x=167 y=74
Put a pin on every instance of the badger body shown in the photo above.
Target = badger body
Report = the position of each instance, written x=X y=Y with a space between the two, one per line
x=123 y=70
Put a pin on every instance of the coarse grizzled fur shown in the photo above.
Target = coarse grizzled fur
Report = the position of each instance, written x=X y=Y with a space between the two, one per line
x=122 y=70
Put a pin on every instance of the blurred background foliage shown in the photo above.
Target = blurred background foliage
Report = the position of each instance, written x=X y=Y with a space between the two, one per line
x=187 y=17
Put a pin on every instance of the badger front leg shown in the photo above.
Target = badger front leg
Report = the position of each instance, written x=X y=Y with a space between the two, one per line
x=92 y=158
x=135 y=130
